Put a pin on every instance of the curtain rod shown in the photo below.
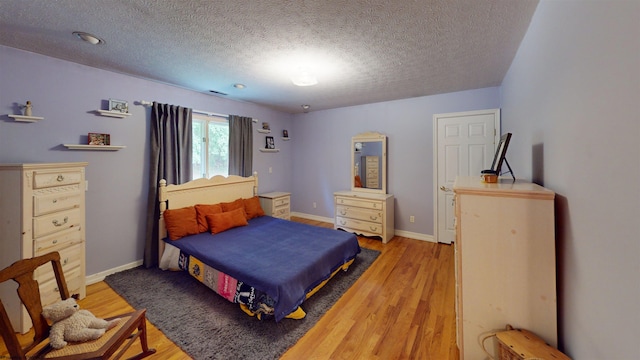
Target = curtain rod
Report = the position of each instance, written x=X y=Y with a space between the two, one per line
x=149 y=103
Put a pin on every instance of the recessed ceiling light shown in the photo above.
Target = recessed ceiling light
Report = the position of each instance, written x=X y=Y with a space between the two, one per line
x=92 y=39
x=306 y=107
x=239 y=86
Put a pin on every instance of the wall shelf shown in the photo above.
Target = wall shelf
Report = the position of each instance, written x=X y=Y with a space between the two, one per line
x=264 y=131
x=270 y=150
x=115 y=114
x=285 y=138
x=94 y=147
x=23 y=118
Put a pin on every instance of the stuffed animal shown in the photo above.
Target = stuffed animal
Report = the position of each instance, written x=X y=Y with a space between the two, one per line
x=69 y=323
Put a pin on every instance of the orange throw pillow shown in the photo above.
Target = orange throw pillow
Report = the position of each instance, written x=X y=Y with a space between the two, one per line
x=226 y=220
x=252 y=207
x=203 y=210
x=236 y=204
x=181 y=222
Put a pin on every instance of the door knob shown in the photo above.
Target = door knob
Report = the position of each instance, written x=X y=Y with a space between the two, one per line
x=444 y=188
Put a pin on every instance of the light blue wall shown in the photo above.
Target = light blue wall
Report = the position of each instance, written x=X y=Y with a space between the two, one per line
x=571 y=99
x=66 y=94
x=322 y=158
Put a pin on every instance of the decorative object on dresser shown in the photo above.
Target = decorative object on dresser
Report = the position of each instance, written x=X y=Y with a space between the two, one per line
x=504 y=261
x=276 y=204
x=43 y=210
x=367 y=209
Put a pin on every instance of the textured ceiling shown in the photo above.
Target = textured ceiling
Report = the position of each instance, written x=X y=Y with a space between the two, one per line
x=361 y=51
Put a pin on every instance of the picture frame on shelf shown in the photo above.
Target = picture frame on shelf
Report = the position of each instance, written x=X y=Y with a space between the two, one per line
x=98 y=139
x=265 y=126
x=270 y=143
x=285 y=133
x=118 y=106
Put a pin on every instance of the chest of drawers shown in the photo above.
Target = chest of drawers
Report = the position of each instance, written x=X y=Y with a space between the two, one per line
x=366 y=214
x=276 y=204
x=43 y=210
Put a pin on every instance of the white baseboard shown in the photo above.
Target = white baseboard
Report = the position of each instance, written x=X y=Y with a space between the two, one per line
x=313 y=217
x=408 y=234
x=95 y=278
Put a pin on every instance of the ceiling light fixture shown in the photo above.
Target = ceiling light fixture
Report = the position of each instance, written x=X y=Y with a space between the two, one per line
x=306 y=107
x=92 y=39
x=304 y=78
x=239 y=86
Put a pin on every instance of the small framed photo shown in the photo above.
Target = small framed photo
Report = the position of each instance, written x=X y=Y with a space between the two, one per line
x=285 y=133
x=99 y=139
x=118 y=106
x=270 y=143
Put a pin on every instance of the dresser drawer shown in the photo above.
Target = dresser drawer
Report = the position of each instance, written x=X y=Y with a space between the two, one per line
x=70 y=257
x=49 y=224
x=43 y=179
x=283 y=201
x=44 y=204
x=57 y=241
x=359 y=214
x=282 y=213
x=363 y=203
x=49 y=292
x=359 y=225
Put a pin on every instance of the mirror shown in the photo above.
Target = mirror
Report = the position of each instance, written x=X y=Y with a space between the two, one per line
x=369 y=163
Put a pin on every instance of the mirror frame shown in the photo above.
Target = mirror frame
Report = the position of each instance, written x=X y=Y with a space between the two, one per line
x=370 y=137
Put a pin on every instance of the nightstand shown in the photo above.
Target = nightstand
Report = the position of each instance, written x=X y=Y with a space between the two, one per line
x=276 y=204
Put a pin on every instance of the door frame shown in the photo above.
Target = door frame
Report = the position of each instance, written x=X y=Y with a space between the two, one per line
x=436 y=117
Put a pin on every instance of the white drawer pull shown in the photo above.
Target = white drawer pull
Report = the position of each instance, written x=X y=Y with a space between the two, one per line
x=60 y=178
x=57 y=223
x=373 y=228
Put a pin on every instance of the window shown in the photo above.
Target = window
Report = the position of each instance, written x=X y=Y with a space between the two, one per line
x=210 y=146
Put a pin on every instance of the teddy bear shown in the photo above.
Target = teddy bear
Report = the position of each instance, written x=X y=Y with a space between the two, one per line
x=69 y=323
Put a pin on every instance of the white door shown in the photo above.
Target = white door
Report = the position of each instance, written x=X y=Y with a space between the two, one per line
x=464 y=145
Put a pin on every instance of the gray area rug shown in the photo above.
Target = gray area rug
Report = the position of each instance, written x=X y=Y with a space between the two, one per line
x=206 y=326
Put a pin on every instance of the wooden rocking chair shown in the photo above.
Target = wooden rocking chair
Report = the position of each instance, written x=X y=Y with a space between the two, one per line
x=131 y=326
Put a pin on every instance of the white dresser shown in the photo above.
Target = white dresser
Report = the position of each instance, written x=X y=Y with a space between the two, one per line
x=276 y=204
x=368 y=214
x=504 y=260
x=42 y=207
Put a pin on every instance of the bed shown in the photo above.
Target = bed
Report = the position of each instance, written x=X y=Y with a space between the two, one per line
x=267 y=265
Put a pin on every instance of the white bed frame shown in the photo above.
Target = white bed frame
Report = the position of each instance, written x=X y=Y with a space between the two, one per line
x=202 y=191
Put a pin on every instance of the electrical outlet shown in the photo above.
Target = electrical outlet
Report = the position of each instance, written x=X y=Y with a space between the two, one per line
x=270 y=169
x=314 y=205
x=412 y=218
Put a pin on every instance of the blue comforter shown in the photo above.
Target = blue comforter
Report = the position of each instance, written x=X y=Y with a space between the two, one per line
x=282 y=258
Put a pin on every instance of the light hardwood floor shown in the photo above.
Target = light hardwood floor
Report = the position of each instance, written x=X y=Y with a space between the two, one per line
x=402 y=307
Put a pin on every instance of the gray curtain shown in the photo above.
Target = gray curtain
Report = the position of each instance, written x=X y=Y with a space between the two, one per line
x=171 y=158
x=240 y=145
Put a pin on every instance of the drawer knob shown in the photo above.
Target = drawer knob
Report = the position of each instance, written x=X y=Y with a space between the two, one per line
x=60 y=177
x=342 y=222
x=373 y=217
x=375 y=205
x=55 y=201
x=55 y=241
x=342 y=212
x=372 y=228
x=57 y=223
x=66 y=261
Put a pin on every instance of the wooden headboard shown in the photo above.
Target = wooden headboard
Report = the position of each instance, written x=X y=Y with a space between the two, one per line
x=203 y=191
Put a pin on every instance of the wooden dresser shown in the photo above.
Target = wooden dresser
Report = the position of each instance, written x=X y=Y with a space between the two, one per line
x=276 y=204
x=42 y=210
x=368 y=214
x=504 y=261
